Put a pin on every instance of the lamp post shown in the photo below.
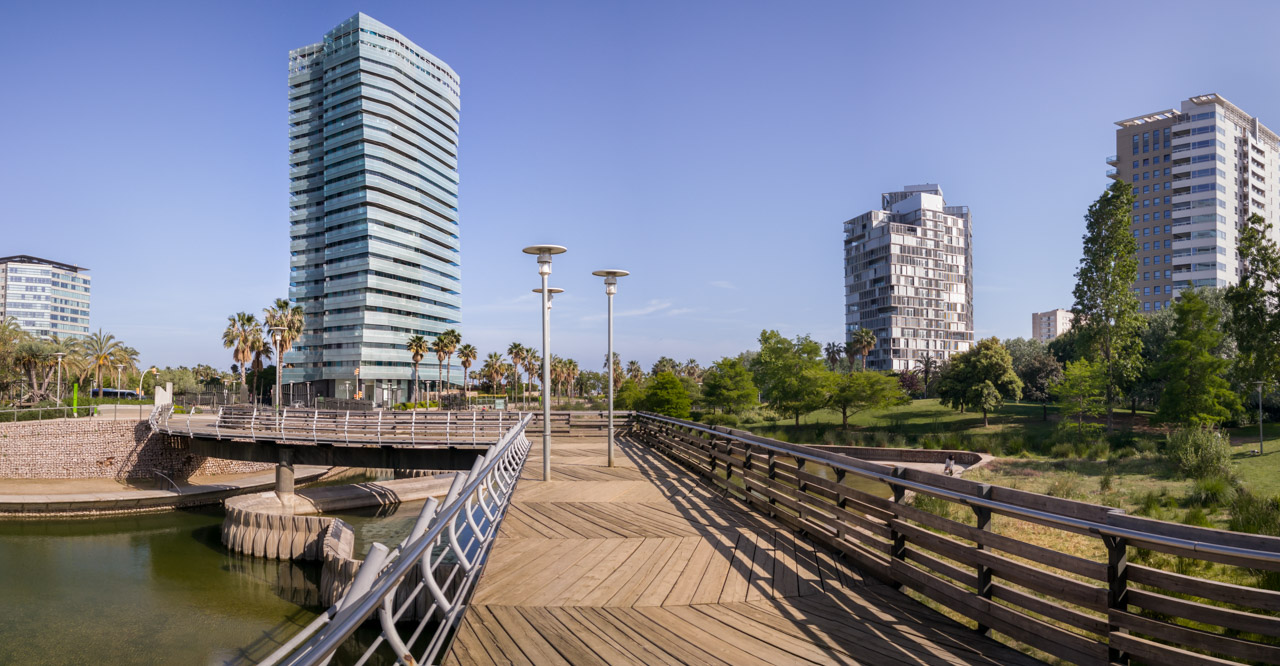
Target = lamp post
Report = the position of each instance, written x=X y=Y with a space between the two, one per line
x=119 y=367
x=1260 y=417
x=544 y=253
x=276 y=332
x=60 y=355
x=610 y=288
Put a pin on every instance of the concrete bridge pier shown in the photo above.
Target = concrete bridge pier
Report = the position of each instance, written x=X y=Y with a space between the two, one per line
x=284 y=478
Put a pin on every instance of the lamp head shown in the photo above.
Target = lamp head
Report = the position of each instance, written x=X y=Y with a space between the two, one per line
x=544 y=253
x=551 y=293
x=611 y=279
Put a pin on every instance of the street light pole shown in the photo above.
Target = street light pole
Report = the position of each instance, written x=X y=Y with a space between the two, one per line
x=60 y=355
x=119 y=367
x=610 y=288
x=276 y=332
x=544 y=253
x=1260 y=417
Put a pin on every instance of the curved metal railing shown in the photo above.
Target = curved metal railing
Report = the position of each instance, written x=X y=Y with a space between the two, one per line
x=448 y=545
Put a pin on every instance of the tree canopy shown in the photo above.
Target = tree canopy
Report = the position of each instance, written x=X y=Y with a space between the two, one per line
x=857 y=391
x=980 y=379
x=1195 y=393
x=727 y=385
x=790 y=374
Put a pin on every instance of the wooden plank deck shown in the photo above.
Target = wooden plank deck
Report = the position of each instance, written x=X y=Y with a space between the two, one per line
x=644 y=564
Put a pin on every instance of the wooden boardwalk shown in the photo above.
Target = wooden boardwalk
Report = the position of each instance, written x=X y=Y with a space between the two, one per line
x=644 y=564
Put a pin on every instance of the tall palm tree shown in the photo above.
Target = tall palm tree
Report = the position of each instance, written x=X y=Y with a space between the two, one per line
x=101 y=350
x=238 y=337
x=493 y=369
x=864 y=340
x=834 y=351
x=691 y=369
x=287 y=316
x=418 y=347
x=450 y=340
x=262 y=352
x=466 y=355
x=532 y=364
x=617 y=369
x=928 y=367
x=438 y=346
x=571 y=373
x=517 y=353
x=635 y=371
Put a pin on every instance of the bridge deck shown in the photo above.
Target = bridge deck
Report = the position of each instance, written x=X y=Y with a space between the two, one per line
x=642 y=563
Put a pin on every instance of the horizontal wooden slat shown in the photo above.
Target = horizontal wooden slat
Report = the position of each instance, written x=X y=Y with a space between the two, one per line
x=1151 y=652
x=1268 y=625
x=1041 y=635
x=1267 y=544
x=965 y=577
x=1069 y=616
x=1195 y=638
x=1267 y=600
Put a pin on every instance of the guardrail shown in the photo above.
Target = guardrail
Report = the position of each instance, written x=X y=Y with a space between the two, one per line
x=318 y=426
x=1082 y=610
x=116 y=412
x=448 y=545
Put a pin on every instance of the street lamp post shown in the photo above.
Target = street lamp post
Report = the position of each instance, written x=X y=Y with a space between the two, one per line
x=60 y=355
x=610 y=288
x=544 y=253
x=1260 y=417
x=119 y=368
x=276 y=332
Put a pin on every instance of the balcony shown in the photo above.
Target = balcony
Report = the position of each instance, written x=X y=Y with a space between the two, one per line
x=1113 y=174
x=1113 y=160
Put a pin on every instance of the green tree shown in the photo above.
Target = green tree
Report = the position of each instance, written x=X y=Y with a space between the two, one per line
x=629 y=395
x=790 y=374
x=467 y=354
x=859 y=391
x=1080 y=393
x=287 y=316
x=928 y=367
x=1160 y=333
x=1254 y=320
x=981 y=379
x=727 y=385
x=418 y=348
x=666 y=395
x=664 y=364
x=863 y=340
x=1039 y=374
x=239 y=337
x=1107 y=316
x=1194 y=391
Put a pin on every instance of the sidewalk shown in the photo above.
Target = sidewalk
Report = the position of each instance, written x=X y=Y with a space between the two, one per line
x=78 y=497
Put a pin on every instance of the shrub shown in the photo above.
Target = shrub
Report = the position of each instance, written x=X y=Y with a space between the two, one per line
x=935 y=505
x=1199 y=452
x=1213 y=491
x=1149 y=502
x=1063 y=450
x=1197 y=518
x=1124 y=453
x=1066 y=486
x=1104 y=484
x=1097 y=450
x=728 y=420
x=1255 y=515
x=1147 y=445
x=1015 y=446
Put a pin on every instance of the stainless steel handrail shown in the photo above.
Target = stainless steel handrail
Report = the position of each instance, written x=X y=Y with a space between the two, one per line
x=1090 y=526
x=436 y=530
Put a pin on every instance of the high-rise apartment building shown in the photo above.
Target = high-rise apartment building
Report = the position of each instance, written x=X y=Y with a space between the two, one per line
x=908 y=276
x=373 y=170
x=1197 y=172
x=47 y=298
x=1046 y=326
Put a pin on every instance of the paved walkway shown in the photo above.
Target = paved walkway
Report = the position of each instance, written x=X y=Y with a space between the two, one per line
x=643 y=564
x=87 y=496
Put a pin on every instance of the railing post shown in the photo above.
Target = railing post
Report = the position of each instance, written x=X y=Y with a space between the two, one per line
x=773 y=471
x=983 y=516
x=899 y=549
x=1117 y=585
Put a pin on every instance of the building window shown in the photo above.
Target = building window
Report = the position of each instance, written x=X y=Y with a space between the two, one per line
x=1146 y=175
x=1146 y=305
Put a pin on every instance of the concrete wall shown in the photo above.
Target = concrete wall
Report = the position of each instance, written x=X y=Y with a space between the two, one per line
x=89 y=448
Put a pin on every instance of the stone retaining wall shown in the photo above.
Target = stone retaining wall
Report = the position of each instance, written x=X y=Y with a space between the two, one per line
x=95 y=448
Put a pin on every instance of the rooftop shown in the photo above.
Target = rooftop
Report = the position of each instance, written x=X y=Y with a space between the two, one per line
x=28 y=259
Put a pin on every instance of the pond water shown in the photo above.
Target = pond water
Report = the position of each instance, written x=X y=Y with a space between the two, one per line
x=146 y=589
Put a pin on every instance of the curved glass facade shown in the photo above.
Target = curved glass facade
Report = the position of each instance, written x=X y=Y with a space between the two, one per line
x=373 y=171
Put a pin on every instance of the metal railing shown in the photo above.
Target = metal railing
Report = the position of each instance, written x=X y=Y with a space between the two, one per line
x=116 y=412
x=448 y=546
x=1072 y=607
x=317 y=426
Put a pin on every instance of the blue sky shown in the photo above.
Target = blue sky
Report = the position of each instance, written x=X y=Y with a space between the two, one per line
x=711 y=148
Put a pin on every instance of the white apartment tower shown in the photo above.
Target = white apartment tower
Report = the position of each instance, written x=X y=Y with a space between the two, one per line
x=1198 y=172
x=1046 y=326
x=908 y=276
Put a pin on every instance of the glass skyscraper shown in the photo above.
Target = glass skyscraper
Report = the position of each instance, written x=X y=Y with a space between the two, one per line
x=47 y=298
x=373 y=129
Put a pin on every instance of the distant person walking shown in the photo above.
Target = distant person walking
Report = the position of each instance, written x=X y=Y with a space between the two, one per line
x=949 y=468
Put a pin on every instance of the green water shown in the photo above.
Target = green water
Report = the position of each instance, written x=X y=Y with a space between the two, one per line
x=147 y=589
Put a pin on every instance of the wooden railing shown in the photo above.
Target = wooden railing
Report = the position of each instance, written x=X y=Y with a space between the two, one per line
x=1078 y=609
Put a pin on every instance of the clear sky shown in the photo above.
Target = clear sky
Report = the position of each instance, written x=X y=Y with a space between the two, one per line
x=711 y=148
